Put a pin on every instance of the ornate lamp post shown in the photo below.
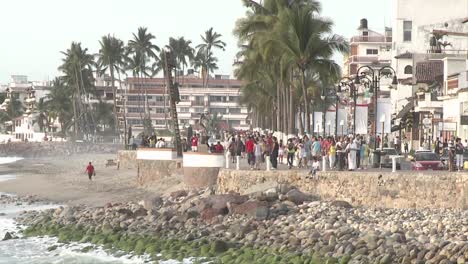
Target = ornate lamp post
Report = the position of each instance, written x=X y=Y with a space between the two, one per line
x=375 y=75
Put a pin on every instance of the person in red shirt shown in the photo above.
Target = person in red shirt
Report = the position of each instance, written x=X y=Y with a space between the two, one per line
x=219 y=148
x=90 y=170
x=194 y=143
x=249 y=148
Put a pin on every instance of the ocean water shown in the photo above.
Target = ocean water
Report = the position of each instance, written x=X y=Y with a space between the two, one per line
x=34 y=250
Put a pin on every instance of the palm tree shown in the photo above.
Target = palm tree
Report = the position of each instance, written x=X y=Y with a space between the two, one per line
x=206 y=62
x=111 y=56
x=42 y=117
x=299 y=34
x=60 y=104
x=78 y=73
x=142 y=47
x=210 y=40
x=183 y=52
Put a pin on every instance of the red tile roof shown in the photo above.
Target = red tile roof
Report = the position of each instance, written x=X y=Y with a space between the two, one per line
x=429 y=71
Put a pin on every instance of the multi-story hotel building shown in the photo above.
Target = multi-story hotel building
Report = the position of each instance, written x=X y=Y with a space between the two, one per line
x=368 y=48
x=221 y=96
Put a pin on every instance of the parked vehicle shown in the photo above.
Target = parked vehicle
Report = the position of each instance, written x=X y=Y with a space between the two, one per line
x=426 y=160
x=386 y=159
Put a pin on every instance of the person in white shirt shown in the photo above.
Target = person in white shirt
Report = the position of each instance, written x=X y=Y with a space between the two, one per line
x=315 y=167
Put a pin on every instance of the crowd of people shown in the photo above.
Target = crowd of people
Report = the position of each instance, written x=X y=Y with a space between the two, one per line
x=340 y=153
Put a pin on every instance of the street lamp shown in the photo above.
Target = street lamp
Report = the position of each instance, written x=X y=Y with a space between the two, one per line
x=382 y=120
x=342 y=126
x=375 y=75
x=332 y=92
x=346 y=84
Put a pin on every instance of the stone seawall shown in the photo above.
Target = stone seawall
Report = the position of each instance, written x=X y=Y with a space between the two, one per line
x=127 y=159
x=152 y=171
x=373 y=189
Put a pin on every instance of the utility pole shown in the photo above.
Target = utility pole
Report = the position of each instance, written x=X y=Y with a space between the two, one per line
x=174 y=98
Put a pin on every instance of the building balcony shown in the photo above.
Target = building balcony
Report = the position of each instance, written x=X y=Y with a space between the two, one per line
x=367 y=60
x=374 y=39
x=199 y=103
x=448 y=51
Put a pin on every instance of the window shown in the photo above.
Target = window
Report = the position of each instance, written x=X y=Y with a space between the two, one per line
x=199 y=109
x=234 y=110
x=159 y=122
x=184 y=98
x=233 y=98
x=135 y=110
x=407 y=28
x=132 y=98
x=408 y=69
x=218 y=98
x=234 y=123
x=134 y=121
x=218 y=110
x=159 y=98
x=200 y=98
x=372 y=51
x=184 y=110
x=160 y=110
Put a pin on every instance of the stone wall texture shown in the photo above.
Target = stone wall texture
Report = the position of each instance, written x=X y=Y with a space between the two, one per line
x=152 y=171
x=372 y=189
x=195 y=178
x=127 y=159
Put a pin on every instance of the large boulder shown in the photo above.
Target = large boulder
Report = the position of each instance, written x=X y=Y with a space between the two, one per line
x=220 y=201
x=7 y=236
x=343 y=204
x=152 y=203
x=178 y=194
x=255 y=209
x=298 y=197
x=208 y=213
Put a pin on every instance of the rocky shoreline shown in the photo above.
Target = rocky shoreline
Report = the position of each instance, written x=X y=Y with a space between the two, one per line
x=280 y=225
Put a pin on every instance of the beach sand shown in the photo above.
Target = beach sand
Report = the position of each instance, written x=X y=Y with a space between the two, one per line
x=63 y=180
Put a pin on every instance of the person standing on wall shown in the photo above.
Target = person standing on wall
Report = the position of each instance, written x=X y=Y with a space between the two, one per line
x=194 y=143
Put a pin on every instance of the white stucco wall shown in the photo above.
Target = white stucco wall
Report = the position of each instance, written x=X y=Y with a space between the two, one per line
x=203 y=160
x=156 y=154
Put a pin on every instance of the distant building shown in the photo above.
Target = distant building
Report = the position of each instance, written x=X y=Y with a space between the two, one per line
x=368 y=48
x=430 y=55
x=221 y=96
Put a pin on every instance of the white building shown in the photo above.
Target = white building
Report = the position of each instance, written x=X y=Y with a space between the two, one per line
x=221 y=96
x=424 y=61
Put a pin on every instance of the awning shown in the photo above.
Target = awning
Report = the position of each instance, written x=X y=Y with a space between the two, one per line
x=406 y=108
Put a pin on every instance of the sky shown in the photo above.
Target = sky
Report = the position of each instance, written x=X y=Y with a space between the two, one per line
x=32 y=32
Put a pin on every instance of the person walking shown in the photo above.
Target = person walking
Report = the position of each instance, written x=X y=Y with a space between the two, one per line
x=250 y=148
x=258 y=151
x=194 y=143
x=90 y=170
x=291 y=152
x=459 y=149
x=281 y=152
x=232 y=149
x=274 y=154
x=332 y=154
x=351 y=149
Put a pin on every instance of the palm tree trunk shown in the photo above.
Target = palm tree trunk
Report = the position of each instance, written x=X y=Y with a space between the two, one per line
x=278 y=107
x=301 y=124
x=291 y=111
x=306 y=102
x=114 y=91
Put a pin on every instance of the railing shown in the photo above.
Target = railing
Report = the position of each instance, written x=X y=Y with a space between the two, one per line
x=371 y=39
x=367 y=59
x=198 y=103
x=447 y=51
